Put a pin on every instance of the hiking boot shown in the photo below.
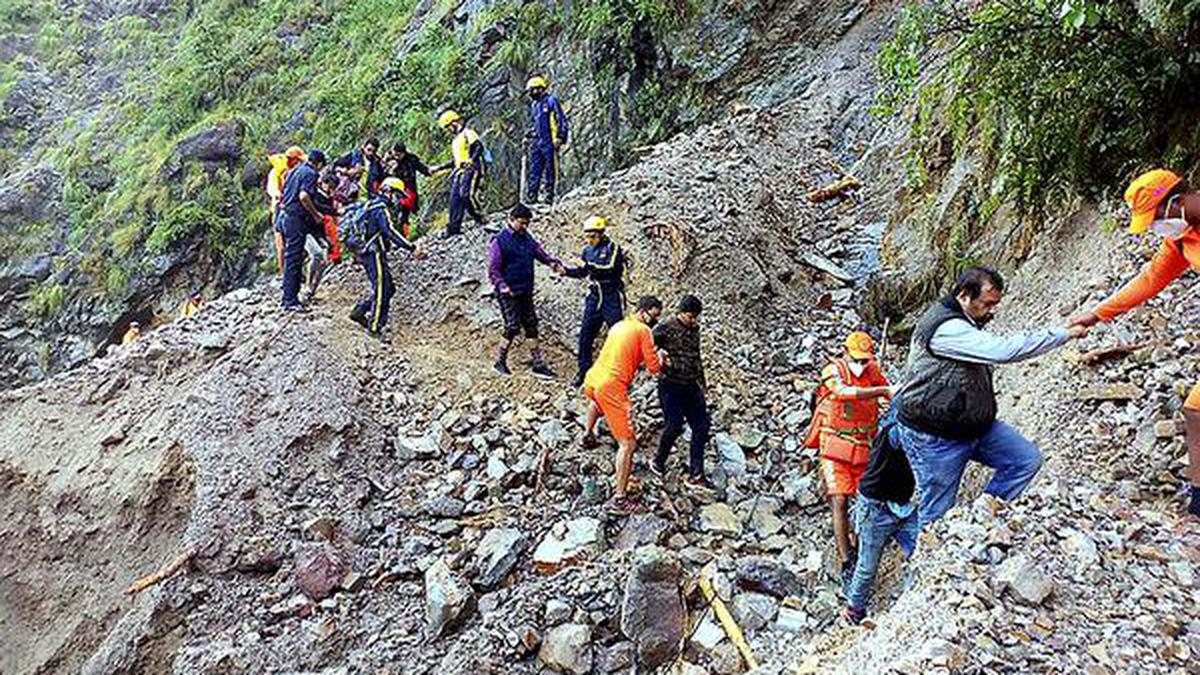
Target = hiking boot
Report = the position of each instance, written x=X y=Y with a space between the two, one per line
x=359 y=317
x=625 y=506
x=854 y=615
x=296 y=308
x=502 y=367
x=589 y=442
x=700 y=484
x=543 y=371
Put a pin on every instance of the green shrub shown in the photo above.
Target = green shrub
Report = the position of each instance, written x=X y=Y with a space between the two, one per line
x=47 y=299
x=1061 y=95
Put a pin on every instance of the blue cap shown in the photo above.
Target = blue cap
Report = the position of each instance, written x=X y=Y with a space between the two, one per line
x=316 y=156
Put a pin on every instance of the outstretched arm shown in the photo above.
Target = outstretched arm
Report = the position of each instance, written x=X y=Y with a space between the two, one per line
x=959 y=340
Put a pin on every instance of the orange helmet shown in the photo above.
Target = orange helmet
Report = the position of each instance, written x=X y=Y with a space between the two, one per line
x=1144 y=195
x=859 y=345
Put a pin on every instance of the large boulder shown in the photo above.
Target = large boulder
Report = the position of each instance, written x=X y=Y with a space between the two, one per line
x=219 y=144
x=652 y=611
x=448 y=601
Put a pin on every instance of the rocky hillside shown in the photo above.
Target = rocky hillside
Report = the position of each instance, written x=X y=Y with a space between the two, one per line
x=135 y=133
x=328 y=504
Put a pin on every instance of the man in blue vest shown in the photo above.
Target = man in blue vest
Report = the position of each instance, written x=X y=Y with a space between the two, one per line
x=511 y=254
x=547 y=135
x=300 y=218
x=604 y=264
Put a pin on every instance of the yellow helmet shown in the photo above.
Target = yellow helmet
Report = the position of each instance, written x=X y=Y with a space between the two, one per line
x=536 y=81
x=447 y=118
x=393 y=183
x=595 y=224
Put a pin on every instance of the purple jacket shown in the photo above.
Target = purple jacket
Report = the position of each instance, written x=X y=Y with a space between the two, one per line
x=510 y=261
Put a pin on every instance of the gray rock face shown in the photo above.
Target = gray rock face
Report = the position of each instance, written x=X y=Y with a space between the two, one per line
x=498 y=553
x=652 y=611
x=448 y=602
x=568 y=542
x=567 y=649
x=718 y=518
x=640 y=530
x=767 y=576
x=221 y=144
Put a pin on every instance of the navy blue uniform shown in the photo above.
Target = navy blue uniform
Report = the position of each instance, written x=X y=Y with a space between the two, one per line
x=374 y=307
x=297 y=224
x=604 y=264
x=549 y=132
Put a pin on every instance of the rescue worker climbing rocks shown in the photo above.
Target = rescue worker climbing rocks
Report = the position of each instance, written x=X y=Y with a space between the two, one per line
x=604 y=265
x=547 y=135
x=466 y=165
x=370 y=235
x=1162 y=203
x=846 y=417
x=629 y=344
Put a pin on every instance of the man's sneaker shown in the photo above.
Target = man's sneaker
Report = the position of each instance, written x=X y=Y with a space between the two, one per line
x=700 y=484
x=542 y=370
x=297 y=308
x=854 y=615
x=589 y=442
x=578 y=381
x=359 y=318
x=502 y=368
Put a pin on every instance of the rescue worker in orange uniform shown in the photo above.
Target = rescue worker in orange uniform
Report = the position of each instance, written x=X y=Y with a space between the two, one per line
x=281 y=164
x=132 y=334
x=1162 y=203
x=845 y=420
x=629 y=345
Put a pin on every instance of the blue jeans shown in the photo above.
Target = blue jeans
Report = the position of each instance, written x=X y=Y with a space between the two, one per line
x=876 y=523
x=938 y=464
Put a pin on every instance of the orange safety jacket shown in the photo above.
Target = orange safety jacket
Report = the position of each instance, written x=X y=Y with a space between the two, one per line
x=842 y=426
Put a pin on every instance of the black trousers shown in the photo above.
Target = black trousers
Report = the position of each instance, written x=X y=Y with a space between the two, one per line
x=683 y=401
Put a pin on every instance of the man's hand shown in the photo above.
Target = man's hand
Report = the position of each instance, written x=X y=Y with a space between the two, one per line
x=506 y=291
x=664 y=357
x=559 y=269
x=419 y=253
x=1077 y=331
x=1086 y=319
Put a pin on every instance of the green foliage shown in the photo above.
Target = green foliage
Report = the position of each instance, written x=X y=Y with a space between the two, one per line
x=47 y=299
x=1062 y=95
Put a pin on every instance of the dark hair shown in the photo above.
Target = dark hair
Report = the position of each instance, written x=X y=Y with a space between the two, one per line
x=399 y=148
x=972 y=280
x=690 y=304
x=372 y=141
x=316 y=158
x=520 y=211
x=648 y=302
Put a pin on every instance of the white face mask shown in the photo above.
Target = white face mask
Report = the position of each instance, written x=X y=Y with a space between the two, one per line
x=856 y=368
x=1170 y=227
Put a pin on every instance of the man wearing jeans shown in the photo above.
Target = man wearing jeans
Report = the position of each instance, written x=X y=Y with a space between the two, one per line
x=947 y=407
x=883 y=511
x=681 y=391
